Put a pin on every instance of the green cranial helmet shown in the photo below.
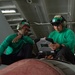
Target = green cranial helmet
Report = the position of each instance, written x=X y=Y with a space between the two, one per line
x=23 y=23
x=58 y=19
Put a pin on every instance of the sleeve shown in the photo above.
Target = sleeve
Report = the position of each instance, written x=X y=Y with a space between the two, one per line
x=51 y=35
x=4 y=44
x=70 y=38
x=28 y=40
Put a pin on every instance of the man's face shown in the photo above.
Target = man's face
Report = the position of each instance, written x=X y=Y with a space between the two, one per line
x=25 y=30
x=58 y=28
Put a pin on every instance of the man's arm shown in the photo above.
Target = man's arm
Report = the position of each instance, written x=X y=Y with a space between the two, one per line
x=27 y=39
x=5 y=44
x=16 y=38
x=20 y=34
x=70 y=40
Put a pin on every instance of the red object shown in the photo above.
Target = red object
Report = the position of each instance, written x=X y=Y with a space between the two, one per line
x=30 y=67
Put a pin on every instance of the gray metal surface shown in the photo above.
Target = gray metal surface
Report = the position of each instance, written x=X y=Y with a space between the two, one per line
x=39 y=13
x=67 y=68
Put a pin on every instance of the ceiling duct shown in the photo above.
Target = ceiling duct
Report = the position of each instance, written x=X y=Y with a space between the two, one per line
x=29 y=1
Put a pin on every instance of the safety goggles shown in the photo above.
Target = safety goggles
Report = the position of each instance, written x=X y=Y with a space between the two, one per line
x=55 y=23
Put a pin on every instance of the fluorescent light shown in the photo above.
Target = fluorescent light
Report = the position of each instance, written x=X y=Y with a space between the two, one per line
x=8 y=11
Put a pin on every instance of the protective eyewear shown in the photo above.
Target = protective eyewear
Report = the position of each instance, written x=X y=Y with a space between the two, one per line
x=56 y=23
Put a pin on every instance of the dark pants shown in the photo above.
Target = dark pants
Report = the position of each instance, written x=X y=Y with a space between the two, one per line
x=65 y=54
x=24 y=53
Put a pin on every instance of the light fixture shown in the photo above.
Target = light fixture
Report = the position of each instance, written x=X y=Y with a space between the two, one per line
x=8 y=11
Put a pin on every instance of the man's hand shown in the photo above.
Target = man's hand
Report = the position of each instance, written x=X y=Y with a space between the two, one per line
x=49 y=57
x=16 y=38
x=54 y=46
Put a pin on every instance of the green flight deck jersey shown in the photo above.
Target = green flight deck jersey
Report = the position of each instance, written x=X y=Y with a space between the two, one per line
x=65 y=37
x=10 y=48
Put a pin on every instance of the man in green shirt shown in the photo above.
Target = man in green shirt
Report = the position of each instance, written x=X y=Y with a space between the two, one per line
x=17 y=46
x=64 y=39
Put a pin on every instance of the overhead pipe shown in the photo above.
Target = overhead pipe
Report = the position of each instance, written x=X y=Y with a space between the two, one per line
x=50 y=23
